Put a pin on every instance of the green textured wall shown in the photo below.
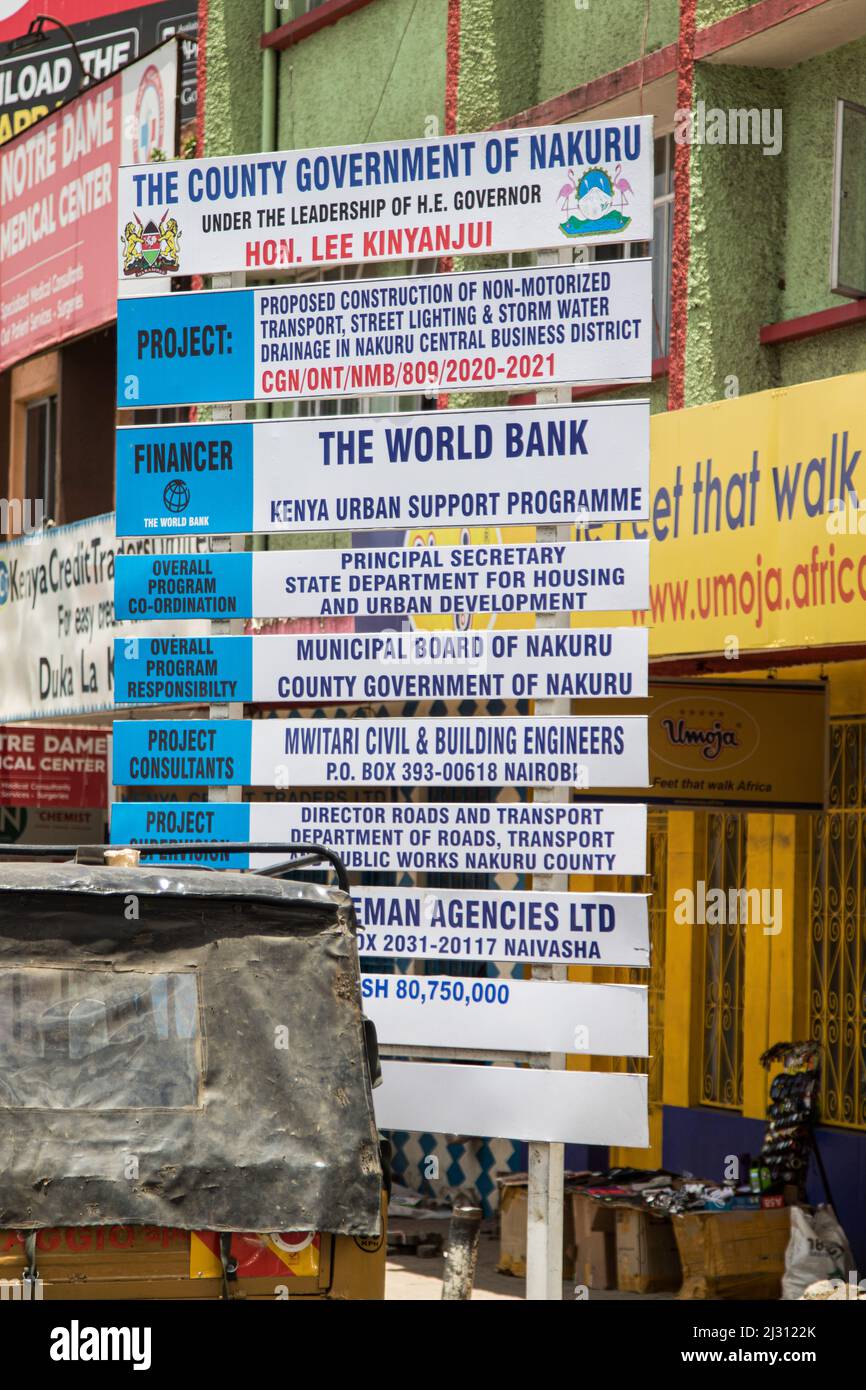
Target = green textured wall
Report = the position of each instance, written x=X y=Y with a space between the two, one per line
x=812 y=89
x=711 y=11
x=233 y=102
x=737 y=233
x=499 y=52
x=376 y=74
x=576 y=45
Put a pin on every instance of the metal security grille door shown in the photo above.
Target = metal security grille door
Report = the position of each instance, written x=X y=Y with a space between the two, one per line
x=837 y=929
x=657 y=864
x=724 y=964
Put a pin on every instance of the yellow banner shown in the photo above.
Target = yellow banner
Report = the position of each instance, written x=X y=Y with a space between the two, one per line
x=758 y=541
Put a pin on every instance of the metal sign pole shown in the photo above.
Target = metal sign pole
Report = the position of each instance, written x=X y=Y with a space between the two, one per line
x=219 y=545
x=546 y=1182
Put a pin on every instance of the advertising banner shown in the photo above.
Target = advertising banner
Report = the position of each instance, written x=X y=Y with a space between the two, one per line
x=43 y=768
x=497 y=467
x=109 y=34
x=717 y=742
x=759 y=521
x=552 y=1107
x=464 y=581
x=57 y=616
x=484 y=193
x=517 y=1015
x=479 y=924
x=57 y=204
x=496 y=837
x=347 y=668
x=490 y=330
x=482 y=752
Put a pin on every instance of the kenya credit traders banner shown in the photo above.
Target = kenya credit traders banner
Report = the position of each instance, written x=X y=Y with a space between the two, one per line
x=57 y=195
x=57 y=623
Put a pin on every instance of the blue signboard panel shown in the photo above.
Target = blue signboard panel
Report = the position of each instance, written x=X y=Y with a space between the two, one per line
x=192 y=586
x=189 y=477
x=182 y=670
x=197 y=752
x=181 y=349
x=137 y=823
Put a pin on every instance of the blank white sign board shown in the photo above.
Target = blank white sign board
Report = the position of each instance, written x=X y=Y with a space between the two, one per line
x=554 y=1107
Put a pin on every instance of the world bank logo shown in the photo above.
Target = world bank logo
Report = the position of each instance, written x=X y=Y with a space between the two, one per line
x=175 y=498
x=4 y=581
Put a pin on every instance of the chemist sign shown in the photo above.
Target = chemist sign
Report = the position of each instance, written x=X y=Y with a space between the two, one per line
x=352 y=668
x=478 y=837
x=545 y=464
x=485 y=330
x=388 y=582
x=484 y=193
x=482 y=752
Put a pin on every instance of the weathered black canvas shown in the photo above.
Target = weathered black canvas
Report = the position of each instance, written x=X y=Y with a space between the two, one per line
x=181 y=1048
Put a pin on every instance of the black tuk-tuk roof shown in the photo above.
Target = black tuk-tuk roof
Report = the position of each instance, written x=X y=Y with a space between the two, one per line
x=182 y=1047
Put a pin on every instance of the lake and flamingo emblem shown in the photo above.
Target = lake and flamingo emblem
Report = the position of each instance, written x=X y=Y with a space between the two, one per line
x=595 y=194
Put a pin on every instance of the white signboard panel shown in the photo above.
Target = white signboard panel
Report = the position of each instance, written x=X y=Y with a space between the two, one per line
x=485 y=330
x=522 y=190
x=495 y=837
x=517 y=1015
x=478 y=924
x=353 y=668
x=463 y=581
x=490 y=751
x=496 y=467
x=554 y=1107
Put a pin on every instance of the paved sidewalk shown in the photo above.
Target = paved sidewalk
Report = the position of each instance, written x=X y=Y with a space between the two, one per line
x=411 y=1278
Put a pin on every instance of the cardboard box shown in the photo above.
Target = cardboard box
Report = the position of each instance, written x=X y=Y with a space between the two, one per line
x=732 y=1254
x=647 y=1260
x=595 y=1241
x=513 y=1205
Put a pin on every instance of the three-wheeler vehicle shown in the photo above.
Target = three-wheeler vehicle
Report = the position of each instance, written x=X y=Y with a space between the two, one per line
x=186 y=1079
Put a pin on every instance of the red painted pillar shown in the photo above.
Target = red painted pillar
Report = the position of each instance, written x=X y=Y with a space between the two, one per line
x=201 y=76
x=682 y=211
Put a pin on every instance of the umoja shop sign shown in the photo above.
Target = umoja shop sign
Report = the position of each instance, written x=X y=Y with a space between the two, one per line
x=491 y=192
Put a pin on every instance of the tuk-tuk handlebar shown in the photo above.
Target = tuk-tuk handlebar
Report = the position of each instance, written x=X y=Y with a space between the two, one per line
x=300 y=856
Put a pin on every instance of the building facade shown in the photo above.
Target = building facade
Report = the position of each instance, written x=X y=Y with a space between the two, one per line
x=758 y=368
x=758 y=422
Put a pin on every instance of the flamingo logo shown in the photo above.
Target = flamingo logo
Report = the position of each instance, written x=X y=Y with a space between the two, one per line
x=593 y=198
